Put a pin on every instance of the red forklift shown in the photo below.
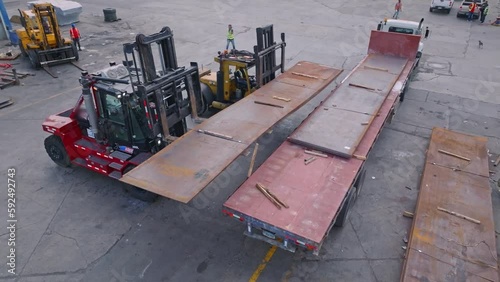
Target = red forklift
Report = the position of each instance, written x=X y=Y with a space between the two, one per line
x=127 y=112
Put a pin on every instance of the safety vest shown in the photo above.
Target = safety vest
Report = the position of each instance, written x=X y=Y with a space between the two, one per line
x=230 y=34
x=472 y=7
x=485 y=12
x=74 y=33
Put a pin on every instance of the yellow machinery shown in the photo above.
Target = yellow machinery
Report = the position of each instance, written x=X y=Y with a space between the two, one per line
x=236 y=81
x=233 y=81
x=41 y=40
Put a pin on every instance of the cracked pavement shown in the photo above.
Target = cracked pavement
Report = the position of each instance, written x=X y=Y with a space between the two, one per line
x=75 y=225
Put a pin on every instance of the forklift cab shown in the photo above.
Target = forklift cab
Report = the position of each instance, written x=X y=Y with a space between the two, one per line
x=245 y=82
x=238 y=82
x=119 y=118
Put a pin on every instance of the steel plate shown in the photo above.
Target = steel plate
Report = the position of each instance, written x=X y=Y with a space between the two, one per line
x=189 y=164
x=446 y=247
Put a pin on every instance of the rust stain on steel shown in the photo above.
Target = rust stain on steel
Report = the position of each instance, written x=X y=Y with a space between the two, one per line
x=185 y=167
x=444 y=247
x=313 y=192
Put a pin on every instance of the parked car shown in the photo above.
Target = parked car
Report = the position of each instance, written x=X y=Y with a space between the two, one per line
x=464 y=8
x=441 y=5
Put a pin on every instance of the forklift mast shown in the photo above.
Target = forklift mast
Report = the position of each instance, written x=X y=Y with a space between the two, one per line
x=265 y=55
x=263 y=58
x=168 y=93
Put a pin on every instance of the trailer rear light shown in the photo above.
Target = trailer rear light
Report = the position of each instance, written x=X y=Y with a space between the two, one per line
x=303 y=244
x=233 y=215
x=310 y=247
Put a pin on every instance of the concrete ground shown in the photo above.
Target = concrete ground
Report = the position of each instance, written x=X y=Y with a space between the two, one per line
x=75 y=225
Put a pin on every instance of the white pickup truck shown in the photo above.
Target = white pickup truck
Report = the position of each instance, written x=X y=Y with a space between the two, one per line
x=406 y=27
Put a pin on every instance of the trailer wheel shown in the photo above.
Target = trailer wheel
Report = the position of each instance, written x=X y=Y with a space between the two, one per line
x=136 y=192
x=344 y=212
x=402 y=95
x=359 y=183
x=56 y=151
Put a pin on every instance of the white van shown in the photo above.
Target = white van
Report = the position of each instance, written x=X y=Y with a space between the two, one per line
x=441 y=5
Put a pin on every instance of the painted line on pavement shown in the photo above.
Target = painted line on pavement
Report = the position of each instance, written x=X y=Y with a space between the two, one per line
x=262 y=266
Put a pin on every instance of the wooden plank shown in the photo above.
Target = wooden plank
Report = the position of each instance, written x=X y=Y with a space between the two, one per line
x=351 y=109
x=184 y=168
x=252 y=161
x=441 y=243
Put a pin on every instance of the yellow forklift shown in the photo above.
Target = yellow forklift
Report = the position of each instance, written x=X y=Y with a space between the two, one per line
x=234 y=81
x=41 y=40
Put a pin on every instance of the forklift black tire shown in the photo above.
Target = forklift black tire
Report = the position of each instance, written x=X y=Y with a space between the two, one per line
x=344 y=212
x=23 y=51
x=33 y=56
x=207 y=97
x=136 y=192
x=56 y=151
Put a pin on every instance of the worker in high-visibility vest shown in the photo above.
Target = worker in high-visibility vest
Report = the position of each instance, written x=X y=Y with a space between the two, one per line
x=472 y=9
x=484 y=11
x=230 y=36
x=75 y=36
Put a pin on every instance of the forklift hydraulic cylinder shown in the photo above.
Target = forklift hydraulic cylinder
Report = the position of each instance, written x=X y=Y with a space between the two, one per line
x=89 y=105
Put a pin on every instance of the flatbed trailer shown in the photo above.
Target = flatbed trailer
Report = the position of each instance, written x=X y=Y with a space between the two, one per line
x=319 y=193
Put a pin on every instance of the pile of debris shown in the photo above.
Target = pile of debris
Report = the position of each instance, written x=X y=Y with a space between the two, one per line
x=10 y=76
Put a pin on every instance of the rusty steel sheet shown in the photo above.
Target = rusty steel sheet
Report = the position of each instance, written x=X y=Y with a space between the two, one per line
x=452 y=142
x=446 y=247
x=346 y=115
x=313 y=192
x=184 y=168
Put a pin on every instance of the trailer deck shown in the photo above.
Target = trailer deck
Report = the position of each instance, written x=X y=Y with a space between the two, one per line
x=446 y=247
x=186 y=166
x=348 y=114
x=316 y=192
